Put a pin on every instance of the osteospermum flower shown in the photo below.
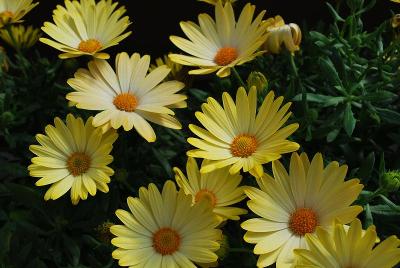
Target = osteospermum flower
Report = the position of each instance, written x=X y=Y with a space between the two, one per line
x=165 y=230
x=239 y=137
x=24 y=37
x=12 y=11
x=73 y=156
x=295 y=204
x=217 y=46
x=86 y=28
x=128 y=97
x=219 y=188
x=348 y=248
x=214 y=2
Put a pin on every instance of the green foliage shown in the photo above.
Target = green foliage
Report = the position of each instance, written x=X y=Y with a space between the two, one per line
x=344 y=86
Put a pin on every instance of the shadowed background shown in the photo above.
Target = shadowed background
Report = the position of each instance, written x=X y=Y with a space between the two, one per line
x=154 y=21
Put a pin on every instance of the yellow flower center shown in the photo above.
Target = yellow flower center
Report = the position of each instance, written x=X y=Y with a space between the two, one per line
x=207 y=195
x=78 y=163
x=89 y=46
x=166 y=241
x=225 y=56
x=243 y=145
x=6 y=14
x=303 y=221
x=126 y=102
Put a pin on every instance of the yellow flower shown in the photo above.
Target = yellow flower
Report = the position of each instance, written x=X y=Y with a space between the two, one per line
x=239 y=137
x=348 y=248
x=295 y=204
x=165 y=230
x=279 y=34
x=86 y=28
x=217 y=46
x=214 y=2
x=177 y=71
x=129 y=96
x=219 y=188
x=73 y=156
x=24 y=37
x=12 y=11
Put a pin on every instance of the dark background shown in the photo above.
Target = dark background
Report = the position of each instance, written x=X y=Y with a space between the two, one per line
x=153 y=21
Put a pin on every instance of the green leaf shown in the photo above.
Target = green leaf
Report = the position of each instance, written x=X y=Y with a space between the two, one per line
x=332 y=135
x=319 y=98
x=380 y=96
x=392 y=205
x=330 y=71
x=163 y=161
x=369 y=220
x=389 y=116
x=366 y=167
x=349 y=122
x=384 y=210
x=336 y=16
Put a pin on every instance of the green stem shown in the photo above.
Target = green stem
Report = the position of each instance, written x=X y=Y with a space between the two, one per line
x=237 y=76
x=298 y=82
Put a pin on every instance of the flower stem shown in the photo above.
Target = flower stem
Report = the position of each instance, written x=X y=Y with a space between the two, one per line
x=298 y=82
x=238 y=78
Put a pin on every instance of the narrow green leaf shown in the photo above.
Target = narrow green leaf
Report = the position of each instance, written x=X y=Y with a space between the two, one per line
x=366 y=167
x=389 y=116
x=349 y=122
x=369 y=220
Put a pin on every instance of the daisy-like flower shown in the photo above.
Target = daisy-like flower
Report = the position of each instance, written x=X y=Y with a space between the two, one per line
x=12 y=11
x=214 y=2
x=24 y=37
x=219 y=188
x=217 y=46
x=295 y=204
x=73 y=156
x=239 y=137
x=129 y=96
x=86 y=28
x=165 y=230
x=280 y=34
x=348 y=248
x=177 y=70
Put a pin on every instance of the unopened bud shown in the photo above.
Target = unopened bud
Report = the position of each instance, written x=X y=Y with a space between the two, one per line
x=258 y=80
x=390 y=181
x=103 y=232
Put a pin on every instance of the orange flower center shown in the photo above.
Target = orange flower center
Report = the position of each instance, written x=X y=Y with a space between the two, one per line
x=243 y=145
x=303 y=221
x=89 y=46
x=225 y=56
x=126 y=102
x=207 y=195
x=78 y=163
x=166 y=241
x=6 y=14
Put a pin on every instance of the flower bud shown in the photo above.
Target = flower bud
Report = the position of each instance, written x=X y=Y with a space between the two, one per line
x=258 y=80
x=396 y=21
x=390 y=181
x=103 y=232
x=280 y=34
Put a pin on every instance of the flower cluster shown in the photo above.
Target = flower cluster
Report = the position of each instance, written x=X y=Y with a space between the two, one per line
x=305 y=214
